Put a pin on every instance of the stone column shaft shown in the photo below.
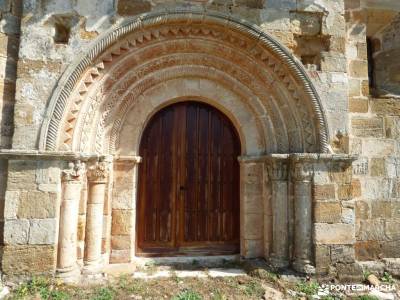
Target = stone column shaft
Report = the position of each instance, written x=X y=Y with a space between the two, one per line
x=302 y=181
x=97 y=178
x=277 y=172
x=67 y=267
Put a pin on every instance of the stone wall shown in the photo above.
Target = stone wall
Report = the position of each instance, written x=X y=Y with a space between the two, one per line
x=374 y=137
x=355 y=209
x=123 y=212
x=9 y=44
x=314 y=32
x=10 y=12
x=32 y=202
x=386 y=62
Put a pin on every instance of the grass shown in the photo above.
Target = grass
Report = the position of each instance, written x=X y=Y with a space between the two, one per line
x=41 y=287
x=366 y=274
x=254 y=288
x=367 y=297
x=127 y=287
x=387 y=278
x=104 y=293
x=218 y=295
x=264 y=275
x=187 y=295
x=307 y=287
x=330 y=298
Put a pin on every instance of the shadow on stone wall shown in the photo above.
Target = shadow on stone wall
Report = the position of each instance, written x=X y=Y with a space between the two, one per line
x=11 y=11
x=386 y=60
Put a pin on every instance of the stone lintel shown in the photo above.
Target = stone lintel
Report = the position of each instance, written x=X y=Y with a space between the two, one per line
x=299 y=157
x=12 y=154
x=131 y=158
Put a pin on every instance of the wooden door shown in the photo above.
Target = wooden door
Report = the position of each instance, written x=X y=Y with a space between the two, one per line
x=188 y=199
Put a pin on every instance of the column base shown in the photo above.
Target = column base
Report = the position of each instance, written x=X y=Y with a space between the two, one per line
x=69 y=275
x=303 y=266
x=279 y=262
x=93 y=268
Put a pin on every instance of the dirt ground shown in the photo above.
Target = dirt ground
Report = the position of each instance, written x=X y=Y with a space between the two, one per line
x=260 y=282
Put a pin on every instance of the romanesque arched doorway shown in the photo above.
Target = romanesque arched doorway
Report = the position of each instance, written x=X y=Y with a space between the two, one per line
x=188 y=200
x=104 y=101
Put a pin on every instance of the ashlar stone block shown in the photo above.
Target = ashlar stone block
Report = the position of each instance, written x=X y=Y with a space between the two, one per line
x=28 y=259
x=342 y=253
x=367 y=127
x=121 y=222
x=16 y=232
x=333 y=234
x=327 y=212
x=42 y=231
x=37 y=205
x=367 y=250
x=359 y=69
x=371 y=230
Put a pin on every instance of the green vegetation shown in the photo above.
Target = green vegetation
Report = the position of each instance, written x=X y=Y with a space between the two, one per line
x=367 y=297
x=387 y=278
x=254 y=288
x=366 y=273
x=39 y=287
x=307 y=287
x=187 y=295
x=177 y=288
x=264 y=274
x=104 y=293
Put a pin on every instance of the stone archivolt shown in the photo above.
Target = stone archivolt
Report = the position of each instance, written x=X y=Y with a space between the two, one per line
x=93 y=101
x=103 y=103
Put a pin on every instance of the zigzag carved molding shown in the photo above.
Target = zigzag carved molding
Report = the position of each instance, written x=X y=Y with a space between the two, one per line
x=275 y=56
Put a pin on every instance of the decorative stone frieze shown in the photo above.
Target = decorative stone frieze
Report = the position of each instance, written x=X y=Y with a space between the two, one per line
x=67 y=268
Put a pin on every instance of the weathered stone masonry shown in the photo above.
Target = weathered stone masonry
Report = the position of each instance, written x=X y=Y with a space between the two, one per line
x=319 y=188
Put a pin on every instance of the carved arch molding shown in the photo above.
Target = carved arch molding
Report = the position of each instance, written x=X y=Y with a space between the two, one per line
x=104 y=100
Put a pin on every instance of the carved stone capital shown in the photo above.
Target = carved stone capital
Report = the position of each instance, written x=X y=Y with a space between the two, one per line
x=99 y=172
x=277 y=169
x=75 y=172
x=302 y=171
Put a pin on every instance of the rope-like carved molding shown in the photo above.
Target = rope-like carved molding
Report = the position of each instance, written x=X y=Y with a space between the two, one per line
x=170 y=74
x=115 y=54
x=59 y=99
x=194 y=69
x=117 y=61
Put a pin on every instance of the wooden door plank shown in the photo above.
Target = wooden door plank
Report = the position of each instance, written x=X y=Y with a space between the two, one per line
x=181 y=173
x=194 y=147
x=203 y=173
